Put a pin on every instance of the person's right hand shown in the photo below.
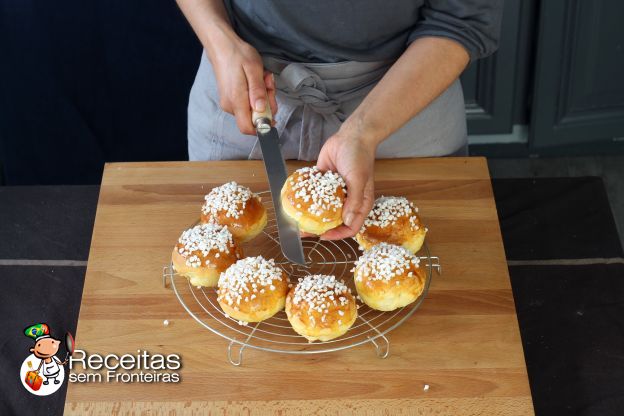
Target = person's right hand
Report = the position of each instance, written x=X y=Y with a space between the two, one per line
x=243 y=83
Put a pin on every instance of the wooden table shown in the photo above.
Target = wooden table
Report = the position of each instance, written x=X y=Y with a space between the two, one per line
x=463 y=342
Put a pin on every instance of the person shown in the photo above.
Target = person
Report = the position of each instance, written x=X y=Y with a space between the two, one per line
x=353 y=81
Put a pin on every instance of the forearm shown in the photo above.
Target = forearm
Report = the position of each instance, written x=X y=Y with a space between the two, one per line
x=425 y=70
x=210 y=22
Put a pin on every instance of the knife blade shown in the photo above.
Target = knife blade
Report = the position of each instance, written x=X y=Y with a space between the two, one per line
x=287 y=229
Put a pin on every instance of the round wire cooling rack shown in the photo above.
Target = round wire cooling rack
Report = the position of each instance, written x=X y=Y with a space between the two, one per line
x=276 y=334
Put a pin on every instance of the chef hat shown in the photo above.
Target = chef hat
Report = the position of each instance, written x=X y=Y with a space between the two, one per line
x=37 y=332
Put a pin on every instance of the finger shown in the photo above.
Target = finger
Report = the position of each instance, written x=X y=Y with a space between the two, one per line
x=239 y=102
x=227 y=95
x=338 y=233
x=242 y=112
x=269 y=81
x=324 y=162
x=360 y=194
x=257 y=88
x=303 y=234
x=225 y=105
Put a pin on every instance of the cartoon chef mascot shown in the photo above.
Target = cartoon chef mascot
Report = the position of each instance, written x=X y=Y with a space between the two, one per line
x=45 y=349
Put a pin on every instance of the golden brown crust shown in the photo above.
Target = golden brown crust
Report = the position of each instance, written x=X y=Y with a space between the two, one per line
x=325 y=324
x=203 y=266
x=206 y=276
x=388 y=296
x=253 y=298
x=198 y=276
x=249 y=224
x=405 y=230
x=385 y=287
x=393 y=234
x=303 y=208
x=255 y=313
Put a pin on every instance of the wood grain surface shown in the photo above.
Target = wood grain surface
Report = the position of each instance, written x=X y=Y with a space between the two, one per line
x=463 y=342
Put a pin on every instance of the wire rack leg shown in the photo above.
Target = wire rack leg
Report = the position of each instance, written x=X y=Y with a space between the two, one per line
x=167 y=272
x=235 y=355
x=435 y=263
x=380 y=341
x=235 y=358
x=382 y=346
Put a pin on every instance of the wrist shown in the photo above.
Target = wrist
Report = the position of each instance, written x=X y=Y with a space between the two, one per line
x=357 y=128
x=217 y=38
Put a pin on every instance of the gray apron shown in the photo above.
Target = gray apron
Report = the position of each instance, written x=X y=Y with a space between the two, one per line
x=313 y=101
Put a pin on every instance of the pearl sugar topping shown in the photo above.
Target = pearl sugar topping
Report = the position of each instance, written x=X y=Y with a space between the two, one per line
x=388 y=209
x=248 y=278
x=318 y=187
x=230 y=198
x=320 y=291
x=204 y=238
x=384 y=262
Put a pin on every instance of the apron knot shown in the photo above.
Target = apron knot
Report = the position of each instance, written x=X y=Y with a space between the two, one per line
x=302 y=87
x=300 y=83
x=312 y=97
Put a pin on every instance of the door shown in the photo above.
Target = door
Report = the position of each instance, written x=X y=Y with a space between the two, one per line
x=490 y=84
x=578 y=93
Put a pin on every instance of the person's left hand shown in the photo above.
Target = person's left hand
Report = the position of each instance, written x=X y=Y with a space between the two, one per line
x=354 y=159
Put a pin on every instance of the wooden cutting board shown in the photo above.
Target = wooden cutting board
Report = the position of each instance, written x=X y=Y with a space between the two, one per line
x=463 y=342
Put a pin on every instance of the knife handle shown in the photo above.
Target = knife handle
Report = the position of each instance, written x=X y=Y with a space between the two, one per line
x=262 y=120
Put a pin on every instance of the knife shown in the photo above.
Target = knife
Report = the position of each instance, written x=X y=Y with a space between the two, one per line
x=287 y=229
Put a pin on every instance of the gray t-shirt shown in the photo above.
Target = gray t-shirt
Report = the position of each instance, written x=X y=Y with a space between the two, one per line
x=365 y=30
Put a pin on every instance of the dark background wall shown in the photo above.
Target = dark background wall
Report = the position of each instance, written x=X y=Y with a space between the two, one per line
x=83 y=82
